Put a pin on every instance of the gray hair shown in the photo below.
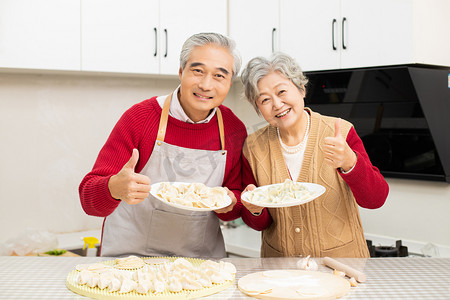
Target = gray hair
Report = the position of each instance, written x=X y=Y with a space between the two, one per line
x=259 y=67
x=206 y=38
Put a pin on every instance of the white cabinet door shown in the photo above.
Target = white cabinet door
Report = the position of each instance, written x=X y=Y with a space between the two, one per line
x=40 y=34
x=254 y=25
x=310 y=32
x=377 y=33
x=120 y=36
x=179 y=19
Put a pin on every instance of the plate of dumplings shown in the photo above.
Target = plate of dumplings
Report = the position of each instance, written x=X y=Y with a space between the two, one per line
x=288 y=193
x=191 y=196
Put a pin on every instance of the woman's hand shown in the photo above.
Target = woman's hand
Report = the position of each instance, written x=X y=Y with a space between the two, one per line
x=129 y=186
x=229 y=207
x=254 y=209
x=337 y=152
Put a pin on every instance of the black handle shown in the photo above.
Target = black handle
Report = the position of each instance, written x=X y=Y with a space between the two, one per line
x=273 y=39
x=167 y=42
x=343 y=39
x=332 y=34
x=156 y=41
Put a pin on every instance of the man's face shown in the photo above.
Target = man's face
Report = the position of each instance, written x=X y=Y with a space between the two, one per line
x=205 y=80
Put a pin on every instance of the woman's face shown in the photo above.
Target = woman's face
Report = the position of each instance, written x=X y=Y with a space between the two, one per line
x=280 y=101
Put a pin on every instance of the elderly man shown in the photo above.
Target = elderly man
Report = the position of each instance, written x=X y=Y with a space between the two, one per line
x=187 y=136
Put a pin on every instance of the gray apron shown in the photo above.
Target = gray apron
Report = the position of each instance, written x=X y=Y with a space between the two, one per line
x=153 y=228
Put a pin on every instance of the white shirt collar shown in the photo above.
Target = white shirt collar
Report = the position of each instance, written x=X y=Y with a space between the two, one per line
x=177 y=111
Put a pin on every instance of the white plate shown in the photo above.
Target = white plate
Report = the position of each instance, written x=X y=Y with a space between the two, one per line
x=155 y=189
x=315 y=189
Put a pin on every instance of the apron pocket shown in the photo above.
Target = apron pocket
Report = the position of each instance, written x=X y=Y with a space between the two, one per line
x=176 y=234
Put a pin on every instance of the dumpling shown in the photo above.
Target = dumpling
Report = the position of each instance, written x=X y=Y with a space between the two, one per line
x=93 y=281
x=158 y=286
x=104 y=280
x=128 y=285
x=182 y=263
x=174 y=285
x=203 y=278
x=189 y=284
x=144 y=286
x=114 y=284
x=228 y=267
x=84 y=276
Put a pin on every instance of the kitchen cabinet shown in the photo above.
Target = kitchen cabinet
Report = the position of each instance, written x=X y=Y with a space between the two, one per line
x=331 y=34
x=121 y=38
x=144 y=36
x=244 y=18
x=179 y=19
x=40 y=34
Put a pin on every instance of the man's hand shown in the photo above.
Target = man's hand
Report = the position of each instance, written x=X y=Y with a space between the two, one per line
x=229 y=207
x=254 y=209
x=129 y=186
x=337 y=152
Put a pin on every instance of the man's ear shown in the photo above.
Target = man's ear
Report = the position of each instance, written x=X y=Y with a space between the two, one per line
x=180 y=72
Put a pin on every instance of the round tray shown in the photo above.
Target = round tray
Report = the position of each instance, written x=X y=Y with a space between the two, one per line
x=97 y=293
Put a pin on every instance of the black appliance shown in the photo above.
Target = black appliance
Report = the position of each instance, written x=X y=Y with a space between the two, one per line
x=401 y=113
x=388 y=251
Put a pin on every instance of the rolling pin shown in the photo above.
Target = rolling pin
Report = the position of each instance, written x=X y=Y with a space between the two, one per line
x=349 y=271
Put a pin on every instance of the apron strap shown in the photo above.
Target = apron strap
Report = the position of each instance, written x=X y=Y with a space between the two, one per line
x=165 y=116
x=221 y=130
x=163 y=121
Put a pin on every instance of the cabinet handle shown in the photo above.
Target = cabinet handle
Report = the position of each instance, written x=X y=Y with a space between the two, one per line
x=167 y=42
x=343 y=29
x=273 y=39
x=156 y=41
x=332 y=34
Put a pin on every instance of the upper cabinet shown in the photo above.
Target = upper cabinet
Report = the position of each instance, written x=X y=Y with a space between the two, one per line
x=254 y=25
x=144 y=36
x=309 y=32
x=179 y=19
x=331 y=34
x=40 y=34
x=120 y=36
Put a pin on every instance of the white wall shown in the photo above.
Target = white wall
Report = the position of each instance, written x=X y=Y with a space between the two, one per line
x=52 y=127
x=51 y=130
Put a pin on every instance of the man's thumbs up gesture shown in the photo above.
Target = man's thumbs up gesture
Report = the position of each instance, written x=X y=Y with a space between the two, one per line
x=337 y=152
x=129 y=186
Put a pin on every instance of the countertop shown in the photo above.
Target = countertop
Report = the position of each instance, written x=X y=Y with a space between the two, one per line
x=23 y=277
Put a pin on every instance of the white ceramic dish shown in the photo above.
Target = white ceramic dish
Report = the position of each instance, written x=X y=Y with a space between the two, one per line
x=155 y=189
x=314 y=189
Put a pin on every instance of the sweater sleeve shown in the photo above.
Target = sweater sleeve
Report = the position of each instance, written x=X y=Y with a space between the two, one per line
x=95 y=197
x=365 y=180
x=262 y=221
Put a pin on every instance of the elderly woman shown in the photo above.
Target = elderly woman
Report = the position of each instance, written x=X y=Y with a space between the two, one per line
x=306 y=146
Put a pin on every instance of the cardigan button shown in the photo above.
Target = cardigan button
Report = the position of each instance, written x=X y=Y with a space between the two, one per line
x=297 y=229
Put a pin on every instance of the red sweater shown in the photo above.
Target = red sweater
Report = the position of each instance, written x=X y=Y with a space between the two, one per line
x=137 y=128
x=367 y=184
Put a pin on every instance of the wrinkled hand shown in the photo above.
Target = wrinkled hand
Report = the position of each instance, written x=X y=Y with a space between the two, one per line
x=254 y=209
x=129 y=186
x=337 y=152
x=229 y=207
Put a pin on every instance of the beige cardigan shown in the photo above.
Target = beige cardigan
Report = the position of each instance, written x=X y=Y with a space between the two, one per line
x=327 y=226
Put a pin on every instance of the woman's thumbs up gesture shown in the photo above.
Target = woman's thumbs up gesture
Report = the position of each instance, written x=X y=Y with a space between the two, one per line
x=129 y=186
x=337 y=152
